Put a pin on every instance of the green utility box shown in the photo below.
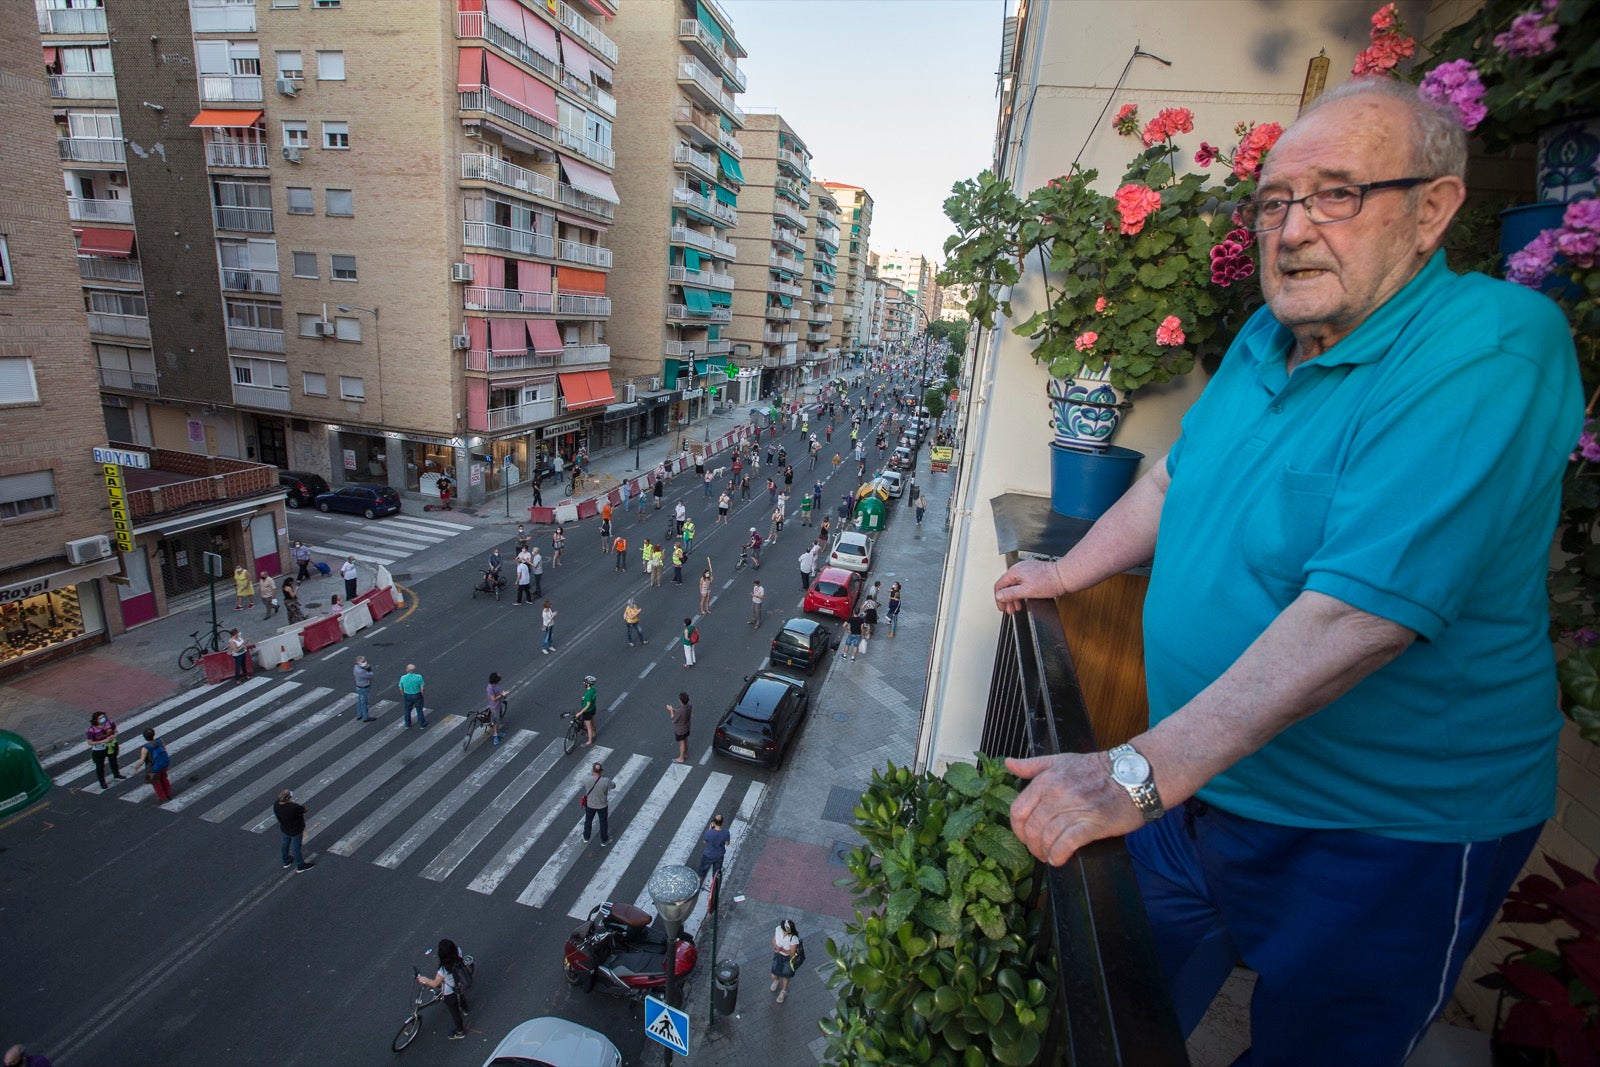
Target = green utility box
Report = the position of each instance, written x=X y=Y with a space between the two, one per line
x=22 y=779
x=870 y=514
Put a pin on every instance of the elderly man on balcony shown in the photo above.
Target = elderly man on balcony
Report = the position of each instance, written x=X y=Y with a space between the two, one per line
x=1352 y=693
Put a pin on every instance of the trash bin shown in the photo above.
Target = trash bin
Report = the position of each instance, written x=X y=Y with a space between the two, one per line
x=725 y=988
x=23 y=781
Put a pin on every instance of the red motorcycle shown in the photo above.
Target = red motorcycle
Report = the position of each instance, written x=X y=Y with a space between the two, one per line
x=618 y=950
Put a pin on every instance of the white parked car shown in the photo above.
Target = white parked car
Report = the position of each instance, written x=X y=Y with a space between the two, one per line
x=892 y=483
x=852 y=552
x=555 y=1042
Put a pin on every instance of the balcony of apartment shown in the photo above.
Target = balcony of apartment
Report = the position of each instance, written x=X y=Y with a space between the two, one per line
x=483 y=298
x=726 y=214
x=684 y=156
x=790 y=214
x=109 y=324
x=792 y=189
x=695 y=239
x=91 y=150
x=230 y=88
x=697 y=125
x=680 y=349
x=506 y=239
x=702 y=43
x=262 y=397
x=222 y=16
x=243 y=219
x=72 y=20
x=709 y=279
x=189 y=481
x=582 y=201
x=107 y=269
x=780 y=313
x=586 y=146
x=586 y=32
x=476 y=166
x=779 y=337
x=584 y=305
x=578 y=252
x=83 y=210
x=484 y=361
x=585 y=355
x=783 y=262
x=478 y=24
x=727 y=140
x=784 y=288
x=83 y=86
x=242 y=280
x=519 y=415
x=483 y=99
x=255 y=339
x=788 y=238
x=827 y=218
x=119 y=380
x=708 y=87
x=242 y=154
x=794 y=161
x=683 y=313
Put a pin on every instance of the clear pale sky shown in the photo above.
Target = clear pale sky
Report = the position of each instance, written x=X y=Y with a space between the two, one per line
x=907 y=110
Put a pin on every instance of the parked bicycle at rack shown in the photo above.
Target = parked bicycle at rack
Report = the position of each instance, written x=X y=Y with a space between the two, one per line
x=200 y=646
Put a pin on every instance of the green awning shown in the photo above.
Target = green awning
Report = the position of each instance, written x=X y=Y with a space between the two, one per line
x=709 y=22
x=691 y=259
x=786 y=301
x=697 y=300
x=727 y=196
x=714 y=333
x=720 y=299
x=730 y=166
x=669 y=374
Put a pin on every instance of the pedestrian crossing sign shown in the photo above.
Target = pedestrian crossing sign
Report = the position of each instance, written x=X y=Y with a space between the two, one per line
x=666 y=1024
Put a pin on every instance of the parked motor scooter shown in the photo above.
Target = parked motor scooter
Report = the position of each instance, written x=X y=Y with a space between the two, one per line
x=617 y=951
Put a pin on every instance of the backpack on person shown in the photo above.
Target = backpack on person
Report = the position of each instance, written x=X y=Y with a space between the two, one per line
x=461 y=975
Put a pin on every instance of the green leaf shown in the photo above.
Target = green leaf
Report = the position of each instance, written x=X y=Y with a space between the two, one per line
x=988 y=917
x=900 y=905
x=961 y=822
x=931 y=879
x=964 y=779
x=999 y=843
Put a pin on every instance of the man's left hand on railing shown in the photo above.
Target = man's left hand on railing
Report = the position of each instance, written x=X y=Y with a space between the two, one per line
x=1070 y=801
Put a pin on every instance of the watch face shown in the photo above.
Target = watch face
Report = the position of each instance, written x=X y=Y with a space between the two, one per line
x=1131 y=769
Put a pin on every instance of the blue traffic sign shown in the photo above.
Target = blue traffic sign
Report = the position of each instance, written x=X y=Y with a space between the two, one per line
x=667 y=1025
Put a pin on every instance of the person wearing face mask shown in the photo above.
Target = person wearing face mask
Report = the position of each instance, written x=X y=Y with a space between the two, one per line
x=101 y=739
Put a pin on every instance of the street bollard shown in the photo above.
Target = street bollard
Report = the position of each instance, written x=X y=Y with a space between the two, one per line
x=725 y=989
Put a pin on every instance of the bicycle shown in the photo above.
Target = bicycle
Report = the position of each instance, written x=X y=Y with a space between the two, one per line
x=575 y=730
x=424 y=997
x=197 y=648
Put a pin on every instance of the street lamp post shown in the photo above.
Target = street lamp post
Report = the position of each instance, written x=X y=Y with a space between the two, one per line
x=674 y=890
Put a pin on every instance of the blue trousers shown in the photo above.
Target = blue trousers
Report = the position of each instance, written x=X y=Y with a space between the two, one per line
x=362 y=711
x=414 y=700
x=1357 y=940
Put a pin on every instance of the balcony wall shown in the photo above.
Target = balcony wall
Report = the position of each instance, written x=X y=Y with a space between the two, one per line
x=82 y=86
x=188 y=479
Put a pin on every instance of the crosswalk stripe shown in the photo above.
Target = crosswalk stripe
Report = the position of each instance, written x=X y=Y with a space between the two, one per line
x=138 y=719
x=566 y=854
x=230 y=693
x=183 y=744
x=366 y=557
x=445 y=863
x=279 y=776
x=391 y=808
x=689 y=833
x=625 y=849
x=439 y=813
x=737 y=832
x=355 y=758
x=251 y=756
x=417 y=522
x=489 y=879
x=408 y=541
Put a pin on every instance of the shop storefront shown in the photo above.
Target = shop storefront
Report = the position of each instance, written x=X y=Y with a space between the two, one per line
x=563 y=438
x=361 y=457
x=426 y=461
x=47 y=615
x=619 y=425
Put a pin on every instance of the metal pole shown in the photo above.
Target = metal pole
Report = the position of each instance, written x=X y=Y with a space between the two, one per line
x=716 y=896
x=673 y=930
x=213 y=609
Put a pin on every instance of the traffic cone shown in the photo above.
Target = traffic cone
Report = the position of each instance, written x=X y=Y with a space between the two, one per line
x=283 y=657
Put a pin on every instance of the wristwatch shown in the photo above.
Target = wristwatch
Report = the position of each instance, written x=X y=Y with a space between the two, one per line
x=1132 y=772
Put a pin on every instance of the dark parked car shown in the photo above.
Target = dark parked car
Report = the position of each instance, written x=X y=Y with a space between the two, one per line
x=802 y=643
x=361 y=498
x=302 y=487
x=764 y=721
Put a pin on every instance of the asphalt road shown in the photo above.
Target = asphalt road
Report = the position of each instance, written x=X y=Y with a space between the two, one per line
x=142 y=936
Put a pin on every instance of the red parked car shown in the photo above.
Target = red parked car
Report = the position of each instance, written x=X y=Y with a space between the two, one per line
x=833 y=592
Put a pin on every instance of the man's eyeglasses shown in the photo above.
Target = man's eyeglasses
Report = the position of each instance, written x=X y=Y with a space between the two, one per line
x=1338 y=204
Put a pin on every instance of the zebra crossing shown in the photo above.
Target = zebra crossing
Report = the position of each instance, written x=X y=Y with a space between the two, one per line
x=384 y=541
x=500 y=820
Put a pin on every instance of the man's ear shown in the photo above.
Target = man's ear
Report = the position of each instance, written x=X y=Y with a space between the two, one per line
x=1438 y=205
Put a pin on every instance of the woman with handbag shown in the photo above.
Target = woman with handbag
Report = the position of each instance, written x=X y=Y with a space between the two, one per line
x=101 y=737
x=154 y=761
x=690 y=638
x=788 y=953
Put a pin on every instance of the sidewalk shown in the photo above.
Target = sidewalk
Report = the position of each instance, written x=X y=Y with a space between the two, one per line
x=865 y=713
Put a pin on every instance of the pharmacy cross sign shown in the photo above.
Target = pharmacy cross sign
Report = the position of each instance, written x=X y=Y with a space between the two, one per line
x=667 y=1025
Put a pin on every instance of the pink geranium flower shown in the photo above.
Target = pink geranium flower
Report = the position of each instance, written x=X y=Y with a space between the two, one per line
x=1169 y=122
x=1532 y=33
x=1254 y=147
x=1170 y=332
x=1457 y=86
x=1134 y=203
x=1086 y=340
x=1207 y=154
x=1100 y=305
x=1126 y=121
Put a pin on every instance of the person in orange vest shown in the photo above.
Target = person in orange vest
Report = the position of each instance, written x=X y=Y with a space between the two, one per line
x=620 y=545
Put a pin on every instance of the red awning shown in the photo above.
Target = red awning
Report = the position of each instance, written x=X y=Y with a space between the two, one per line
x=545 y=334
x=469 y=70
x=52 y=56
x=213 y=117
x=598 y=8
x=507 y=336
x=96 y=242
x=575 y=59
x=587 y=179
x=586 y=389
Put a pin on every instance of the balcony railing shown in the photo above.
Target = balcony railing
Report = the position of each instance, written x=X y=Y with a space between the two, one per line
x=696 y=121
x=686 y=156
x=795 y=160
x=475 y=166
x=1110 y=1004
x=784 y=210
x=230 y=88
x=82 y=210
x=697 y=348
x=477 y=24
x=681 y=312
x=106 y=269
x=578 y=252
x=575 y=198
x=586 y=32
x=684 y=235
x=586 y=146
x=522 y=242
x=72 y=20
x=272 y=398
x=236 y=154
x=484 y=99
x=779 y=337
x=129 y=381
x=113 y=325
x=83 y=86
x=244 y=219
x=91 y=149
x=255 y=339
x=711 y=48
x=779 y=313
x=723 y=213
x=683 y=275
x=691 y=70
x=208 y=478
x=222 y=16
x=519 y=415
x=789 y=238
x=241 y=280
x=827 y=218
x=783 y=263
x=816 y=335
x=491 y=362
x=582 y=304
x=482 y=298
x=785 y=288
x=579 y=355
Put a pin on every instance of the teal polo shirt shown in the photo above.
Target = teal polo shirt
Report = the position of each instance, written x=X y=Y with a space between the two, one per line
x=1412 y=471
x=411 y=684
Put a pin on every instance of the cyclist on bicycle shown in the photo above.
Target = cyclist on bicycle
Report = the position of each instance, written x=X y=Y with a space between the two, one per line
x=586 y=707
x=449 y=979
x=753 y=547
x=494 y=711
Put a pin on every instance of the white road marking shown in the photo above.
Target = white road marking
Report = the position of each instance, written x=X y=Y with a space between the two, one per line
x=75 y=752
x=279 y=776
x=337 y=652
x=489 y=879
x=341 y=553
x=620 y=698
x=252 y=756
x=648 y=667
x=690 y=832
x=625 y=848
x=566 y=854
x=738 y=831
x=437 y=815
x=379 y=630
x=417 y=522
x=445 y=863
x=188 y=740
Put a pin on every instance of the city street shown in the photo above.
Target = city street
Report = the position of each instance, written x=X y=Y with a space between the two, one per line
x=173 y=936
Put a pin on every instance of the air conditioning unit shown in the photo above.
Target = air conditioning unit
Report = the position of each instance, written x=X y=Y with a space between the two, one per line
x=325 y=328
x=288 y=86
x=461 y=272
x=291 y=154
x=655 y=384
x=628 y=393
x=460 y=342
x=88 y=549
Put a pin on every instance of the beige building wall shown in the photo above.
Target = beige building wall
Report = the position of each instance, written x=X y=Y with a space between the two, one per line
x=850 y=328
x=772 y=298
x=821 y=281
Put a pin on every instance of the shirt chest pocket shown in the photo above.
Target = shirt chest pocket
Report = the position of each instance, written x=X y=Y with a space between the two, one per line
x=1285 y=525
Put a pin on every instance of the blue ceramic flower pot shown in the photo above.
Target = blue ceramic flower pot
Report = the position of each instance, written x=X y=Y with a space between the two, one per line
x=1084 y=484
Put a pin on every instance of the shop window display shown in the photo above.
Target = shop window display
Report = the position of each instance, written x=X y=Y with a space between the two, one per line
x=43 y=621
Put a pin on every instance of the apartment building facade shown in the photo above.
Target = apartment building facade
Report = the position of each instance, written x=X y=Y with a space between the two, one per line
x=679 y=172
x=229 y=133
x=849 y=332
x=771 y=301
x=913 y=272
x=818 y=354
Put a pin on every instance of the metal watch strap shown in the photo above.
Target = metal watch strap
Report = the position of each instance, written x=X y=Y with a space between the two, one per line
x=1145 y=796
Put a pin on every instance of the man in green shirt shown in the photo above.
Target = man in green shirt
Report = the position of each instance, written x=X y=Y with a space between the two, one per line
x=586 y=707
x=411 y=687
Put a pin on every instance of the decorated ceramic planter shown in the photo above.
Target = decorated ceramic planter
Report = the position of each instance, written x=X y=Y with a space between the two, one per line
x=1084 y=484
x=1085 y=411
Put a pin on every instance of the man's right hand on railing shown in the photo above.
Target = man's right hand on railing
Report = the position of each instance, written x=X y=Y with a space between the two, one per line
x=1070 y=801
x=1031 y=579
